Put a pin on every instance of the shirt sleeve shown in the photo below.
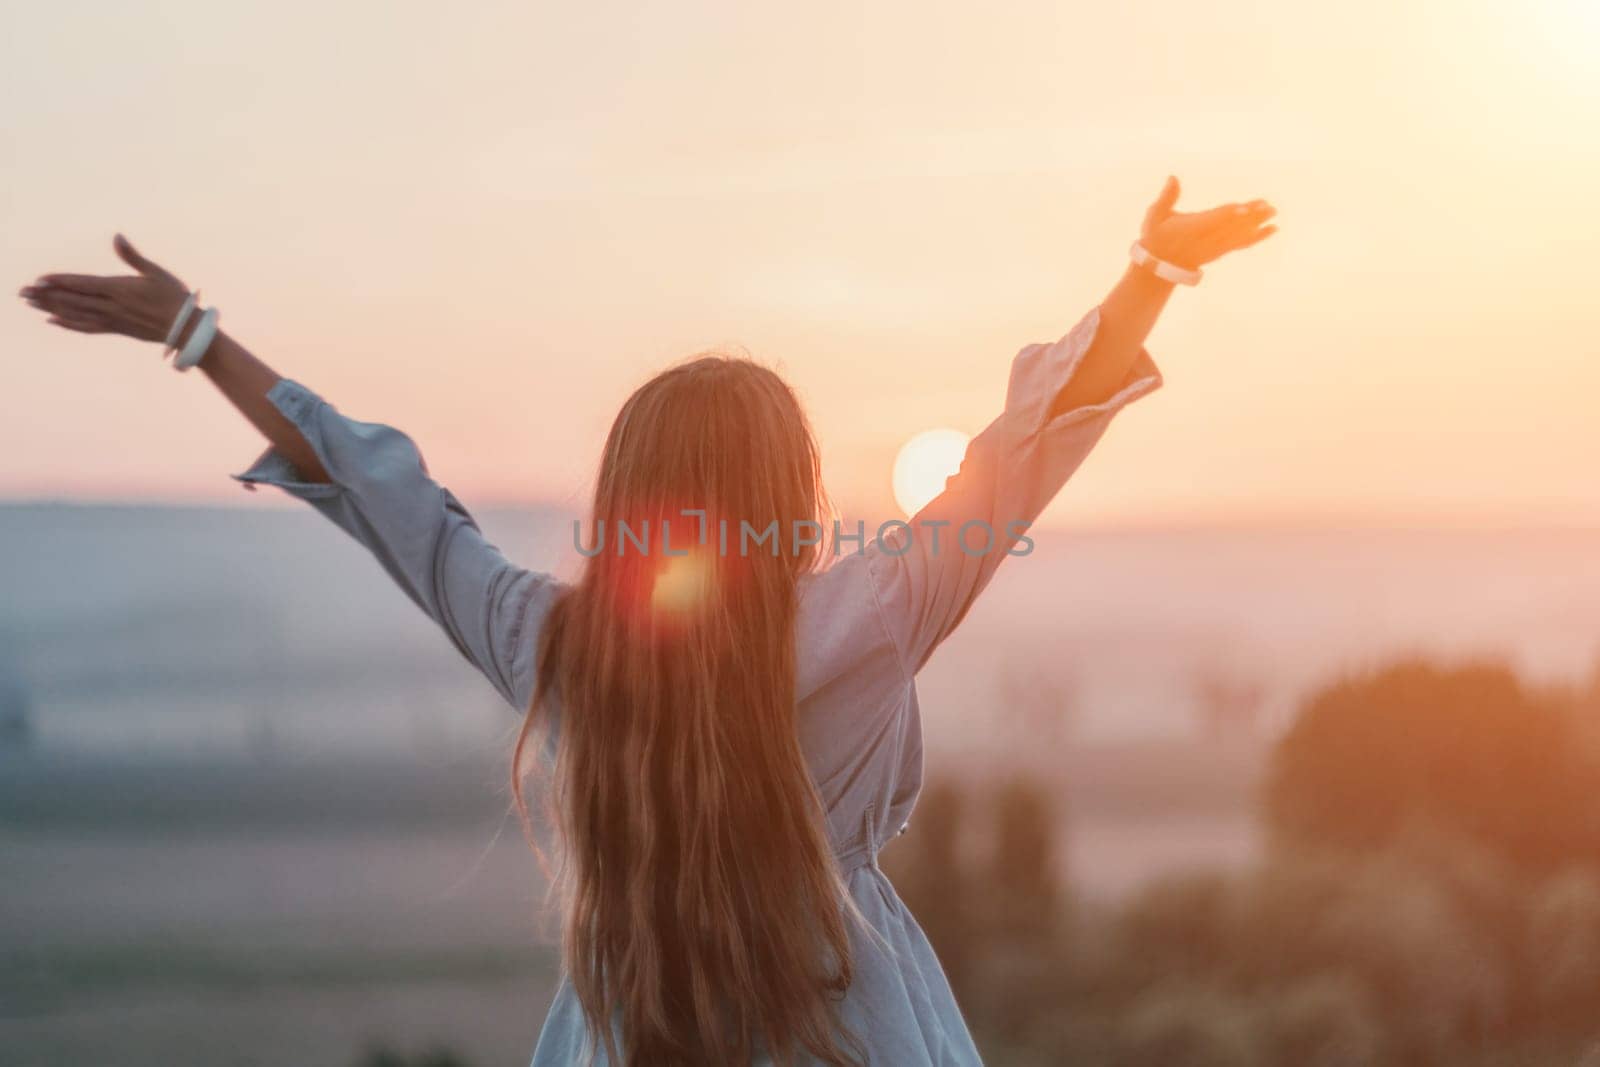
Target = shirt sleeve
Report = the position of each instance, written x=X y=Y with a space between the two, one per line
x=928 y=573
x=380 y=493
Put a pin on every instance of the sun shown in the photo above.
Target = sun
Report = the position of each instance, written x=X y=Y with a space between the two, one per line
x=923 y=464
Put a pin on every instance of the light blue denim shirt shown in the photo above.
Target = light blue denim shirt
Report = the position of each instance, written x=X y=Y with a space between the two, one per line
x=866 y=624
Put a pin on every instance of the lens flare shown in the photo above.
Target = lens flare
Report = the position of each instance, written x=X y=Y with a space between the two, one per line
x=682 y=584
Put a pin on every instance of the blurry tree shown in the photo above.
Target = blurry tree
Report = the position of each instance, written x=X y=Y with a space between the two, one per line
x=1431 y=948
x=1024 y=874
x=1588 y=700
x=1324 y=1021
x=1020 y=923
x=1181 y=926
x=1564 y=948
x=1189 y=1026
x=1470 y=749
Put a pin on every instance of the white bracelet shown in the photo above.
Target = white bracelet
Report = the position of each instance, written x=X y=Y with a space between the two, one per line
x=1169 y=272
x=179 y=322
x=205 y=331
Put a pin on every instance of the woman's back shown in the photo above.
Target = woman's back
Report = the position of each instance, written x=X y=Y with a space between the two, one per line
x=863 y=627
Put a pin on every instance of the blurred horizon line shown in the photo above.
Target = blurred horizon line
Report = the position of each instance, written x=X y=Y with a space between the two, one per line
x=1264 y=520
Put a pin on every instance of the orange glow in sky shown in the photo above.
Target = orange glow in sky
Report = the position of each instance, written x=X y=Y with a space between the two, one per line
x=486 y=224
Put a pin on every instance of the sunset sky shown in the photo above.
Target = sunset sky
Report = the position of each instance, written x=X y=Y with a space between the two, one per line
x=486 y=224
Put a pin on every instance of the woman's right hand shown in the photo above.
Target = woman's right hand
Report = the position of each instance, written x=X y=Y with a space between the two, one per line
x=140 y=305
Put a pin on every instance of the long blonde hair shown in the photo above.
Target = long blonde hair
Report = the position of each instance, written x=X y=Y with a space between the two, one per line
x=705 y=917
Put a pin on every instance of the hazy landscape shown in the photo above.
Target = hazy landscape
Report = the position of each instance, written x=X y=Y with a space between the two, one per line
x=253 y=808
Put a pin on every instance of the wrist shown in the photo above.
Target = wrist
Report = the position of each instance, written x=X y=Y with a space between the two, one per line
x=1169 y=247
x=214 y=356
x=1168 y=254
x=1142 y=281
x=1152 y=263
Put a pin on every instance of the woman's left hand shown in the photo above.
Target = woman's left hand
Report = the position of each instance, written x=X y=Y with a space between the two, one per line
x=1191 y=239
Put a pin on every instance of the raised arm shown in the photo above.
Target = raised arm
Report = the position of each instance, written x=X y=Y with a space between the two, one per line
x=1060 y=400
x=367 y=478
x=1129 y=312
x=143 y=306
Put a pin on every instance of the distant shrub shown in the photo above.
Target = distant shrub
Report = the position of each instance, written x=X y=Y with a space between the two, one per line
x=1433 y=978
x=1324 y=1021
x=1024 y=880
x=1469 y=748
x=1189 y=1026
x=1429 y=898
x=1564 y=947
x=1175 y=927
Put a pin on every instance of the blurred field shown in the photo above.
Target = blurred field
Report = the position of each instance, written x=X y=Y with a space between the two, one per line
x=158 y=909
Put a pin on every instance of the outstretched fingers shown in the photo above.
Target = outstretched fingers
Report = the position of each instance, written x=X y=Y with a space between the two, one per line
x=1238 y=225
x=1259 y=236
x=1250 y=221
x=80 y=325
x=1259 y=211
x=60 y=301
x=72 y=310
x=1250 y=214
x=89 y=284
